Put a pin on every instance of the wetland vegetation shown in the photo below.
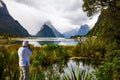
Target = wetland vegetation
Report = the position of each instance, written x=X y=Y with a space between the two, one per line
x=93 y=51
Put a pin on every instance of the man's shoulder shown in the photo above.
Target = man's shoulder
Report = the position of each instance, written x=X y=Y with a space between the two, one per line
x=21 y=48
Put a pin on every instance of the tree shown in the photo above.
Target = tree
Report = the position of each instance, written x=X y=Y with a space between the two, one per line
x=107 y=26
x=93 y=6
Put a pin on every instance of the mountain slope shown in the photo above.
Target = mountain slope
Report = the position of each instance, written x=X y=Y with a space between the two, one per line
x=48 y=30
x=70 y=33
x=84 y=29
x=107 y=26
x=8 y=25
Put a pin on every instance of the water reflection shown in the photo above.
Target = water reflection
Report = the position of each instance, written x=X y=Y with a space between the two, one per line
x=48 y=42
x=76 y=65
x=42 y=41
x=59 y=41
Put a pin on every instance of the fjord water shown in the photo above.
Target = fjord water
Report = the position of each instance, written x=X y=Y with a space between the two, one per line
x=36 y=41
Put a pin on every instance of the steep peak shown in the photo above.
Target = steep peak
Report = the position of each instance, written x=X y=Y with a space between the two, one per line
x=2 y=4
x=48 y=27
x=8 y=25
x=85 y=26
x=4 y=11
x=48 y=23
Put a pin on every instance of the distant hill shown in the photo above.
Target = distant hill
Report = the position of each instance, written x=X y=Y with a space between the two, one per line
x=82 y=31
x=48 y=30
x=8 y=25
x=70 y=33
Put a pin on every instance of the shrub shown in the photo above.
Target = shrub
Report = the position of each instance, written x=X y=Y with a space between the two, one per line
x=81 y=75
x=110 y=69
x=92 y=48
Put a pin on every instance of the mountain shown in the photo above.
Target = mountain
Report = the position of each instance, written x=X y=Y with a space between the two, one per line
x=84 y=29
x=8 y=25
x=70 y=33
x=107 y=26
x=48 y=30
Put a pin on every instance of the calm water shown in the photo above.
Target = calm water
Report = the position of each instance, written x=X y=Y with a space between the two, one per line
x=41 y=41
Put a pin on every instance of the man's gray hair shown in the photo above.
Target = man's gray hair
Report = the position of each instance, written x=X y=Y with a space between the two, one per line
x=25 y=43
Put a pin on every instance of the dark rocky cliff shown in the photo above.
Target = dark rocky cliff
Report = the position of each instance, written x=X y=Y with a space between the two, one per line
x=8 y=25
x=45 y=32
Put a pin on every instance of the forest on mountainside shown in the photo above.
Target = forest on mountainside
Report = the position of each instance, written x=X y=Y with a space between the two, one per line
x=106 y=29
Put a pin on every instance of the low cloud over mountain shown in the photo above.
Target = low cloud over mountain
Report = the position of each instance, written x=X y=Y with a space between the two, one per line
x=47 y=30
x=65 y=15
x=81 y=31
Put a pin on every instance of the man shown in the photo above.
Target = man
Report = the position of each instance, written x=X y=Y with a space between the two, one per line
x=24 y=60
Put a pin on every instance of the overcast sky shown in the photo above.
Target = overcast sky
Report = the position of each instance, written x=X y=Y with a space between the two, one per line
x=63 y=14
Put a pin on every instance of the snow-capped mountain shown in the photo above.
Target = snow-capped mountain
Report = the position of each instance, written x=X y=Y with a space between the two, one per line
x=48 y=30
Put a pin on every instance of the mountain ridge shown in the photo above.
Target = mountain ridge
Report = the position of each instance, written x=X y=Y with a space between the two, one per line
x=82 y=31
x=8 y=25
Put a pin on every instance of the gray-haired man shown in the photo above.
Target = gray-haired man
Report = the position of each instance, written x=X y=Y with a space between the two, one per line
x=24 y=60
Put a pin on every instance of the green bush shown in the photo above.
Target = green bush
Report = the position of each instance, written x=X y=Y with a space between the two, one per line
x=81 y=75
x=92 y=48
x=110 y=69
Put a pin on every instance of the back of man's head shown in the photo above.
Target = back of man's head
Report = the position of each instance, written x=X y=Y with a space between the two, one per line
x=25 y=43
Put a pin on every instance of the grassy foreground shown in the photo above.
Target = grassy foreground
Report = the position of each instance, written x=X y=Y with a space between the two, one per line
x=94 y=50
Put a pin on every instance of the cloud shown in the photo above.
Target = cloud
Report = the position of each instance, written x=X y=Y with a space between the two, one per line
x=63 y=14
